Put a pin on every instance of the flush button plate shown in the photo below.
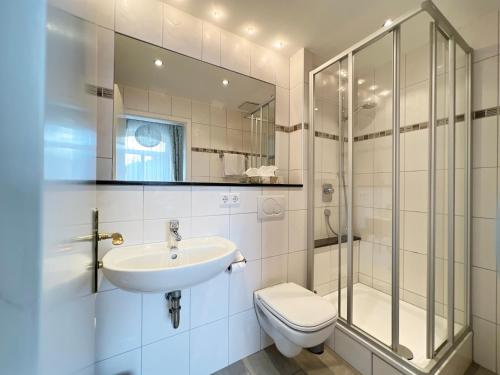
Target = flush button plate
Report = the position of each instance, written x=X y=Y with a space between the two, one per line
x=271 y=207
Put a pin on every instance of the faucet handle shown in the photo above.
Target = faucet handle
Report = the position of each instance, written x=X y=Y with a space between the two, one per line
x=174 y=224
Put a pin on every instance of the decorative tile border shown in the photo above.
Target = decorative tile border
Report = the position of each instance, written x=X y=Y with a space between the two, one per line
x=483 y=113
x=99 y=91
x=291 y=129
x=220 y=152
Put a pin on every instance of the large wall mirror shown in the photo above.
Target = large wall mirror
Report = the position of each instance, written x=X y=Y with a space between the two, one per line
x=179 y=119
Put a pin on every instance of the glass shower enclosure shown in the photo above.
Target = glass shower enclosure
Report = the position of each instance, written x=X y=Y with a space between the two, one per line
x=390 y=185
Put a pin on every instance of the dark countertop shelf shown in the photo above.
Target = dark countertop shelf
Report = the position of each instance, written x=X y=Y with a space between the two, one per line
x=322 y=242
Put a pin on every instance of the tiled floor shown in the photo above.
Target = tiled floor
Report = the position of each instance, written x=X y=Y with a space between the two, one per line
x=270 y=362
x=478 y=370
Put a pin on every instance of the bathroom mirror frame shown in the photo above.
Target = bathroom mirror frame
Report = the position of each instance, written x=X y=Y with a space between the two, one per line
x=435 y=353
x=249 y=88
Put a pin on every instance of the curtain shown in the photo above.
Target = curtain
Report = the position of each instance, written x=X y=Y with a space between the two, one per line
x=150 y=151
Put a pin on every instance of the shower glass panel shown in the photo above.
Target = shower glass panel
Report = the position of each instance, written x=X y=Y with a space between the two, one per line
x=390 y=231
x=372 y=187
x=330 y=107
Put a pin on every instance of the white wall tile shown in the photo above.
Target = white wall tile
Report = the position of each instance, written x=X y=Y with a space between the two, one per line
x=484 y=142
x=104 y=128
x=105 y=57
x=262 y=63
x=242 y=285
x=484 y=343
x=209 y=300
x=118 y=323
x=181 y=107
x=182 y=32
x=211 y=44
x=210 y=226
x=415 y=143
x=127 y=363
x=248 y=199
x=415 y=231
x=209 y=348
x=218 y=116
x=244 y=335
x=206 y=200
x=200 y=164
x=415 y=195
x=282 y=106
x=274 y=270
x=484 y=192
x=245 y=232
x=134 y=98
x=167 y=202
x=485 y=76
x=200 y=135
x=140 y=19
x=159 y=102
x=235 y=53
x=297 y=230
x=282 y=71
x=200 y=112
x=167 y=356
x=483 y=243
x=156 y=320
x=119 y=203
x=275 y=237
x=105 y=13
x=297 y=268
x=483 y=293
x=415 y=271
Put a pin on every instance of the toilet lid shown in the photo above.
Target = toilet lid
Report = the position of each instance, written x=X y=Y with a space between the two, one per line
x=297 y=307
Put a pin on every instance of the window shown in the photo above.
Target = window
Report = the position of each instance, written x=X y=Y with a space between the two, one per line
x=149 y=150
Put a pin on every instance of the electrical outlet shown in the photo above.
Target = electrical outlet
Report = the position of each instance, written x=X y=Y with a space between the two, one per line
x=234 y=199
x=224 y=200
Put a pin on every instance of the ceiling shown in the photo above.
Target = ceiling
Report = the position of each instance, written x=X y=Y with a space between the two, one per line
x=325 y=27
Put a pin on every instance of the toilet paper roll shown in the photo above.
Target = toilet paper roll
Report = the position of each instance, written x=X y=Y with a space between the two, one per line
x=237 y=267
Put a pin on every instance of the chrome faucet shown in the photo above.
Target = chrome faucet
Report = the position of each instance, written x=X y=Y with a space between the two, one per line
x=175 y=237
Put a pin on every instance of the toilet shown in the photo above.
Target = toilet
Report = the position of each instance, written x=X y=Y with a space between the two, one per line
x=294 y=317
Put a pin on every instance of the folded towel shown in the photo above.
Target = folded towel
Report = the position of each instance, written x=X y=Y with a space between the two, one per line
x=234 y=164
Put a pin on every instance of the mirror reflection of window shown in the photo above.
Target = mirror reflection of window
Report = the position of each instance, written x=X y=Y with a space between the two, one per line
x=149 y=150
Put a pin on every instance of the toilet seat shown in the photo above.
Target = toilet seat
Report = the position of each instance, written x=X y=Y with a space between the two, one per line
x=298 y=308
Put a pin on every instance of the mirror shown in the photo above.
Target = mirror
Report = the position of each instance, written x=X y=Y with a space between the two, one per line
x=179 y=119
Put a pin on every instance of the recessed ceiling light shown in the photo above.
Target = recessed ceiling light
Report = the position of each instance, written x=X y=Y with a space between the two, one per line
x=225 y=82
x=217 y=14
x=250 y=30
x=361 y=81
x=373 y=87
x=279 y=44
x=388 y=22
x=158 y=62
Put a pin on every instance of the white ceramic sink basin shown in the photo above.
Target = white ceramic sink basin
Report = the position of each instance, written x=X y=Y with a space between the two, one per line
x=151 y=268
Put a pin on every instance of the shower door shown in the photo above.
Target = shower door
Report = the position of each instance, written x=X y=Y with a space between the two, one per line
x=390 y=122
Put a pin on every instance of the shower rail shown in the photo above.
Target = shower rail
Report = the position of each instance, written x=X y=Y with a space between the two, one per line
x=443 y=27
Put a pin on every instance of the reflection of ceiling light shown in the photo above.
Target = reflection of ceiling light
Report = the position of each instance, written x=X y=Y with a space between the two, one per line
x=316 y=108
x=250 y=30
x=373 y=87
x=342 y=73
x=217 y=14
x=384 y=92
x=361 y=81
x=225 y=82
x=341 y=88
x=279 y=44
x=387 y=22
x=158 y=62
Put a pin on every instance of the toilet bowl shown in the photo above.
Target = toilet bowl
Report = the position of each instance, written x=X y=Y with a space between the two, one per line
x=294 y=317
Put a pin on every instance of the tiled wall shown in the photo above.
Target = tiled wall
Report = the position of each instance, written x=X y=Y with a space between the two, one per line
x=163 y=25
x=218 y=323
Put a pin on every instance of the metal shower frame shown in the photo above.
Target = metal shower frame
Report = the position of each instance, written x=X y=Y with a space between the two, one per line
x=440 y=25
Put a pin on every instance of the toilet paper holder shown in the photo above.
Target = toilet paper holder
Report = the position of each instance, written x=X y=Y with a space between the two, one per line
x=238 y=260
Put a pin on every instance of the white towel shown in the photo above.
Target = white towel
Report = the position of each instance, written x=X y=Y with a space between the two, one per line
x=234 y=164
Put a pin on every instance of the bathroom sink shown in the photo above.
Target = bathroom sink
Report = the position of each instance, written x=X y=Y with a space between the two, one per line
x=152 y=268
